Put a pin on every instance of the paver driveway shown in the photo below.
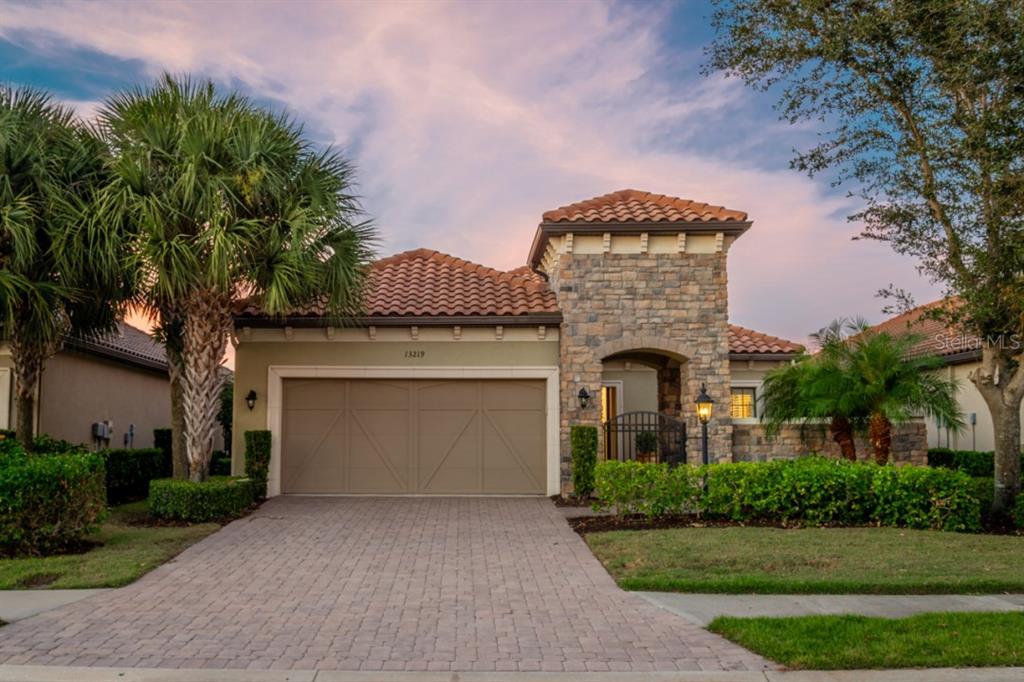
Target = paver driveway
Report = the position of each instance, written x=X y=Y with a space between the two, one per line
x=378 y=584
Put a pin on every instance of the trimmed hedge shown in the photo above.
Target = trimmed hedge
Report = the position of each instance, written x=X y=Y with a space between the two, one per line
x=220 y=463
x=162 y=440
x=217 y=498
x=811 y=490
x=584 y=458
x=49 y=502
x=972 y=462
x=1018 y=511
x=257 y=459
x=649 y=489
x=130 y=471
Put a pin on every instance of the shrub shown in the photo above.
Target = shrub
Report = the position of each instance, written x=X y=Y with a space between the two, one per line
x=1018 y=511
x=972 y=462
x=584 y=458
x=220 y=463
x=647 y=442
x=257 y=459
x=130 y=471
x=649 y=489
x=217 y=498
x=809 y=490
x=162 y=441
x=49 y=502
x=920 y=497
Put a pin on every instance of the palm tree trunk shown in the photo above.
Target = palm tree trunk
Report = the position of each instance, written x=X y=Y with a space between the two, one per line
x=206 y=329
x=179 y=460
x=28 y=367
x=842 y=434
x=171 y=328
x=880 y=434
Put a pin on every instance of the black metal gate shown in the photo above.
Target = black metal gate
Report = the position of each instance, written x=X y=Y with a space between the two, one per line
x=645 y=437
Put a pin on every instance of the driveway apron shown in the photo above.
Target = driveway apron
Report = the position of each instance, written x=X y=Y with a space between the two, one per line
x=377 y=583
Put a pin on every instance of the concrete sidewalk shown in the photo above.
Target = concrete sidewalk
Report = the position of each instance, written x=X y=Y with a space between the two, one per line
x=13 y=673
x=18 y=604
x=701 y=609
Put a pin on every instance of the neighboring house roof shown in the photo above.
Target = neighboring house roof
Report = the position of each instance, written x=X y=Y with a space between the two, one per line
x=938 y=337
x=743 y=341
x=127 y=344
x=635 y=206
x=433 y=286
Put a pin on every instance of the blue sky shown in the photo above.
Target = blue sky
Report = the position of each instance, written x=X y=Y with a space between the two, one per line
x=468 y=120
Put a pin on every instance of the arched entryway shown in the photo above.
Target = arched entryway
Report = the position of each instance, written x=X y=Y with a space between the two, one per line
x=641 y=404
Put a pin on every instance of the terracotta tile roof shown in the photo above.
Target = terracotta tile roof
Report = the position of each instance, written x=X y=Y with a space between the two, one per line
x=938 y=337
x=428 y=283
x=747 y=341
x=126 y=343
x=635 y=206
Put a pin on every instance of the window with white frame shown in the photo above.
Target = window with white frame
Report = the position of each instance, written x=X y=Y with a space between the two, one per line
x=743 y=402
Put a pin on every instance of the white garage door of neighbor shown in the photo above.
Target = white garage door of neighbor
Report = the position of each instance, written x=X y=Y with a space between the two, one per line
x=413 y=436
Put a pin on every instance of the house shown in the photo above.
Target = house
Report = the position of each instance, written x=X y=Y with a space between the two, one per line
x=961 y=356
x=104 y=391
x=462 y=379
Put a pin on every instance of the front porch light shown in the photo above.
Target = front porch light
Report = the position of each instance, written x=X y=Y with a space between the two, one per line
x=584 y=398
x=250 y=399
x=704 y=405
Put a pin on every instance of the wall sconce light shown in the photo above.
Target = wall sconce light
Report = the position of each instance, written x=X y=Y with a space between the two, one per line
x=250 y=399
x=584 y=398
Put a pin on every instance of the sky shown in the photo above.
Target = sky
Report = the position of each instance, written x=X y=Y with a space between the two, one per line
x=467 y=120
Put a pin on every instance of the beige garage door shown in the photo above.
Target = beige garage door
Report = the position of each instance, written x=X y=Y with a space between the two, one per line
x=423 y=436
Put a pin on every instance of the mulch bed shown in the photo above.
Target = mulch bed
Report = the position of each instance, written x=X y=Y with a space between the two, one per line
x=570 y=501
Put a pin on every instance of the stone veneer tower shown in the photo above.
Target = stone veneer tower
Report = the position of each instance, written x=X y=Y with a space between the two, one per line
x=642 y=276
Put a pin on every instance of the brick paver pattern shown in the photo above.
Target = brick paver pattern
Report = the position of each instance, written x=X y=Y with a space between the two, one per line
x=459 y=584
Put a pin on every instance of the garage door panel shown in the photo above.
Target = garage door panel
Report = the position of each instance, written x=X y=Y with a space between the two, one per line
x=312 y=394
x=379 y=395
x=307 y=470
x=414 y=436
x=513 y=395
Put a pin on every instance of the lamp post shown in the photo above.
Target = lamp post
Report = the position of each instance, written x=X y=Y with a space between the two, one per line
x=704 y=405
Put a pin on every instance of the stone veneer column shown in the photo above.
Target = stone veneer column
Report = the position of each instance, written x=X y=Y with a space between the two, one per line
x=675 y=304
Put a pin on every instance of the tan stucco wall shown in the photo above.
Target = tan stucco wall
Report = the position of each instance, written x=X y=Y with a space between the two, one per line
x=639 y=386
x=983 y=435
x=254 y=357
x=78 y=390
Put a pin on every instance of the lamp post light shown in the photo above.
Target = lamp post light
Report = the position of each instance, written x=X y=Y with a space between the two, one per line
x=704 y=405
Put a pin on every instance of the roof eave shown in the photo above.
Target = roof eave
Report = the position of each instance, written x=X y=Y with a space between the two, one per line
x=528 y=320
x=100 y=350
x=550 y=229
x=789 y=355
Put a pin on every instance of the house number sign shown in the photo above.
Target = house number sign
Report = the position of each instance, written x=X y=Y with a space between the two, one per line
x=416 y=354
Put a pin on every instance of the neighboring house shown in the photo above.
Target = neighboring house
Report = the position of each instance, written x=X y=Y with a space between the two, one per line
x=961 y=356
x=107 y=391
x=465 y=379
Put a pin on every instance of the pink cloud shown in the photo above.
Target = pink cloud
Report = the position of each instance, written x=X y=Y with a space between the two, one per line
x=467 y=121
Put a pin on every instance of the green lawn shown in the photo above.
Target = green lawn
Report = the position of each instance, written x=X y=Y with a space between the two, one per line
x=127 y=552
x=811 y=560
x=930 y=640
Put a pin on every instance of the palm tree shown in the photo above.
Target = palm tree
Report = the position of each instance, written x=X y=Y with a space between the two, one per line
x=866 y=381
x=893 y=386
x=803 y=392
x=59 y=267
x=227 y=201
x=812 y=389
